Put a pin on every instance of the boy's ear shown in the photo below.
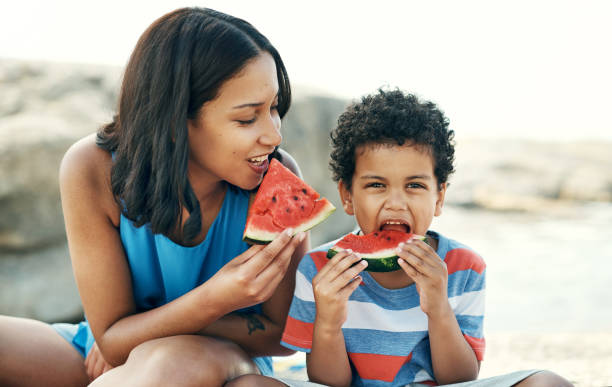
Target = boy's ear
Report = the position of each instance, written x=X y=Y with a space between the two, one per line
x=346 y=197
x=440 y=199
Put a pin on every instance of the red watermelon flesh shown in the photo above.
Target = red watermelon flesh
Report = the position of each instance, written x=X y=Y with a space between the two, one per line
x=378 y=248
x=283 y=200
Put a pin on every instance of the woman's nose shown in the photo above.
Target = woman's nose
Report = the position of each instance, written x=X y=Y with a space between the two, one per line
x=271 y=134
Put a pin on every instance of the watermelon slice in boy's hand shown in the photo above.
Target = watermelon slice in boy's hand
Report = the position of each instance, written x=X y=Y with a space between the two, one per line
x=283 y=201
x=378 y=248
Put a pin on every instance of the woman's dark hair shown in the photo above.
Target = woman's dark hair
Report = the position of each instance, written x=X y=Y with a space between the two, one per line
x=178 y=64
x=391 y=117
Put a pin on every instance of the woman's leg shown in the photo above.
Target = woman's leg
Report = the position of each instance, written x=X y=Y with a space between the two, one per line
x=187 y=360
x=32 y=353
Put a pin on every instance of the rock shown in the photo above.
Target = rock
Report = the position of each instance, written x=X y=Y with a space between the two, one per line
x=306 y=131
x=511 y=174
x=31 y=148
x=39 y=285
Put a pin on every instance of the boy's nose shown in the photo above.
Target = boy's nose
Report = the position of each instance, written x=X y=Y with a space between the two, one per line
x=396 y=201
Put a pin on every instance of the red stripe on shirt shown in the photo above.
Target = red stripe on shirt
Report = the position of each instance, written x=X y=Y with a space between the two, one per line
x=378 y=367
x=478 y=345
x=298 y=333
x=463 y=259
x=320 y=259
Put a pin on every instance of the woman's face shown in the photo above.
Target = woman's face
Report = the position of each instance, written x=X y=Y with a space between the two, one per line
x=232 y=135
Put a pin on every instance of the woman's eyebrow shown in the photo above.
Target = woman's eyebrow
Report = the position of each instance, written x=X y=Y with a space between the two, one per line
x=252 y=104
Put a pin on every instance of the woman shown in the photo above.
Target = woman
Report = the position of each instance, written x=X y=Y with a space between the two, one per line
x=155 y=205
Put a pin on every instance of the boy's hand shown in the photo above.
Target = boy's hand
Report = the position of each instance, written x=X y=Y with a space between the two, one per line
x=333 y=285
x=421 y=263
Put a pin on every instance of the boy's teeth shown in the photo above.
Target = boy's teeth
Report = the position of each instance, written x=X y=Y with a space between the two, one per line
x=397 y=226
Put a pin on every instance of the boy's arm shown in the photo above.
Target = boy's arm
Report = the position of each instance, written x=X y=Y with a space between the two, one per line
x=453 y=359
x=328 y=361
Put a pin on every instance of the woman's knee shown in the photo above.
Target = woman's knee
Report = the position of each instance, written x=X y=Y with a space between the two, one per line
x=189 y=360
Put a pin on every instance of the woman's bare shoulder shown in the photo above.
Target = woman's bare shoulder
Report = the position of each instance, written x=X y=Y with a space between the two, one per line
x=85 y=172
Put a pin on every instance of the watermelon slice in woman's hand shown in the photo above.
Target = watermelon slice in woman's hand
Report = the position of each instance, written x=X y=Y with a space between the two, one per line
x=378 y=248
x=283 y=201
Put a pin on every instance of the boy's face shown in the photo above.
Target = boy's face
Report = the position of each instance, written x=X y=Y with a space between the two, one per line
x=393 y=188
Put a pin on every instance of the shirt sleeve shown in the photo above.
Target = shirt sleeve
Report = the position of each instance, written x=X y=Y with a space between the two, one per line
x=298 y=328
x=467 y=280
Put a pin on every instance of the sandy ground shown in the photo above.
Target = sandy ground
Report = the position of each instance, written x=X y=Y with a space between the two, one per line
x=584 y=359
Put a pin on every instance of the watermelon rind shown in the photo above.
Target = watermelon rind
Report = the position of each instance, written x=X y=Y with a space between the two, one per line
x=262 y=237
x=380 y=261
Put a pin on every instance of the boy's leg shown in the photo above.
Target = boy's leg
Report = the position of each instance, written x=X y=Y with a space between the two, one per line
x=254 y=381
x=187 y=360
x=32 y=353
x=544 y=379
x=264 y=381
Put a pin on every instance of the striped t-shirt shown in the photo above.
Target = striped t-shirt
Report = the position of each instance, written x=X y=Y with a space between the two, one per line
x=386 y=331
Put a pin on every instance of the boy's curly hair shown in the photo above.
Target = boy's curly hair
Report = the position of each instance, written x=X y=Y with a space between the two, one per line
x=391 y=117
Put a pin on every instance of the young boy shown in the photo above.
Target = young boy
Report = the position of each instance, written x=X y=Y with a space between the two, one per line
x=392 y=156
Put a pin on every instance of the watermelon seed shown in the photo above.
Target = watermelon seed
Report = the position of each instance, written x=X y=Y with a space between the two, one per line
x=274 y=199
x=287 y=209
x=388 y=238
x=304 y=190
x=295 y=198
x=302 y=208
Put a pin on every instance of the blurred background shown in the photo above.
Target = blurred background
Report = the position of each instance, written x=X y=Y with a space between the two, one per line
x=526 y=86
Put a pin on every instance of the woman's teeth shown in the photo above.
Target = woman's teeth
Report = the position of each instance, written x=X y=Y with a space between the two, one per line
x=258 y=160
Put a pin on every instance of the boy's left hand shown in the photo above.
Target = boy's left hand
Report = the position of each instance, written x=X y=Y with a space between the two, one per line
x=421 y=263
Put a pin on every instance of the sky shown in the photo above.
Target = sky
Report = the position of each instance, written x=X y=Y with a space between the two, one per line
x=532 y=69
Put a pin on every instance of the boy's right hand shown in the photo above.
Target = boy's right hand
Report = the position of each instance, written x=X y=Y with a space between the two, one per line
x=333 y=285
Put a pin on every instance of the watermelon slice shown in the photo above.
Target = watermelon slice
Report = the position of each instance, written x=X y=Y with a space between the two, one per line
x=378 y=248
x=283 y=200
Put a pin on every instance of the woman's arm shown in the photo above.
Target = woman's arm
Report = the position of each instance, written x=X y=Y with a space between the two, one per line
x=103 y=277
x=259 y=335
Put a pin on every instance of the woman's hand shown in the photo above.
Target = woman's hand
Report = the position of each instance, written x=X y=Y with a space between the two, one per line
x=252 y=277
x=421 y=263
x=332 y=287
x=95 y=363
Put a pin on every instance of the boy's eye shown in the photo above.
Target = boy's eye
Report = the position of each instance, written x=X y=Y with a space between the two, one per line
x=374 y=185
x=415 y=185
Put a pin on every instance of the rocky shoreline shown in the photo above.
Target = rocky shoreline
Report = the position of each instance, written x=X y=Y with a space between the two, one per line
x=45 y=107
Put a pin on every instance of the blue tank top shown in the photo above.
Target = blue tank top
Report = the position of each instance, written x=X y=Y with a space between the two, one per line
x=163 y=270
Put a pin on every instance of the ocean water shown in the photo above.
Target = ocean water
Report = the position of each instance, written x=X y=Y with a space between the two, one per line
x=546 y=272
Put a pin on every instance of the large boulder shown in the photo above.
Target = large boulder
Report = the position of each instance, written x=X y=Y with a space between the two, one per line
x=44 y=108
